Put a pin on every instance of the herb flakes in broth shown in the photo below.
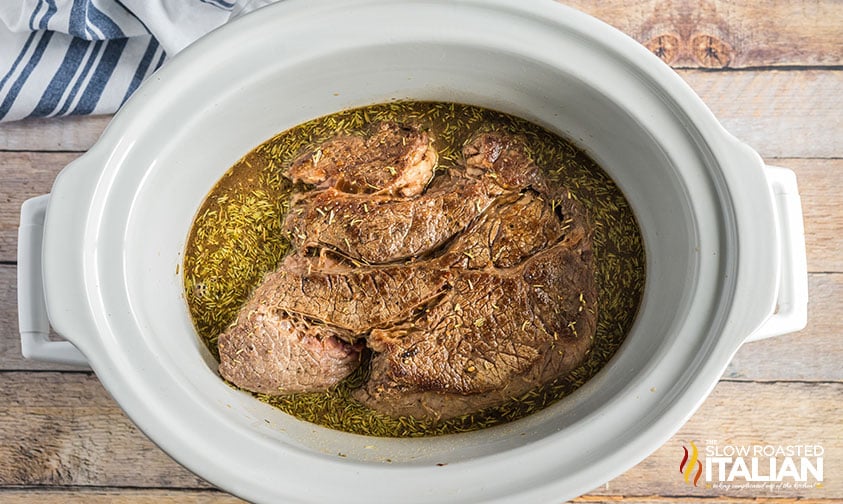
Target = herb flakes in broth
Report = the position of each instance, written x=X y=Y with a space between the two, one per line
x=236 y=239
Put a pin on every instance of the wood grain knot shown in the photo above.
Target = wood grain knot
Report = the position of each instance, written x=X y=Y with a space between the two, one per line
x=665 y=47
x=711 y=52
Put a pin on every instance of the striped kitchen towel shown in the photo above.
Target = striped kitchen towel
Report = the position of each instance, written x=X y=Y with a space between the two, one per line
x=67 y=57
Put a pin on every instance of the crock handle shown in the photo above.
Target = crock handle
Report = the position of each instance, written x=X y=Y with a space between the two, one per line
x=35 y=342
x=791 y=312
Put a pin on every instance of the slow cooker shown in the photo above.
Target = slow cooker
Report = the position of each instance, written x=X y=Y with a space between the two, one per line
x=100 y=255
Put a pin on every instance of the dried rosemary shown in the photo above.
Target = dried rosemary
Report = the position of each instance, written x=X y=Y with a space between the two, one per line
x=236 y=238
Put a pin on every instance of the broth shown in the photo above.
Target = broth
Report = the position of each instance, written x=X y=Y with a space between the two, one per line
x=236 y=238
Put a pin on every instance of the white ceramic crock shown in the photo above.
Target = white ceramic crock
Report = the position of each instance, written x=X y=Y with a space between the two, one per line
x=722 y=231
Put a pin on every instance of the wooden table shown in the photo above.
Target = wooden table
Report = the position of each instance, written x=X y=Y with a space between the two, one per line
x=771 y=71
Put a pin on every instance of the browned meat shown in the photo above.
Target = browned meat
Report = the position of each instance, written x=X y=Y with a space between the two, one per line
x=505 y=157
x=271 y=352
x=393 y=159
x=354 y=300
x=516 y=226
x=379 y=230
x=497 y=333
x=470 y=293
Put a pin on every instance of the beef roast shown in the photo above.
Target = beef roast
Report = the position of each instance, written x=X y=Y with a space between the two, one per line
x=352 y=299
x=393 y=159
x=383 y=229
x=516 y=226
x=469 y=293
x=273 y=352
x=506 y=157
x=497 y=332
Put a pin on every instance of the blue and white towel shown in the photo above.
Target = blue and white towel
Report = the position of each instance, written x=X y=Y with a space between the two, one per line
x=67 y=57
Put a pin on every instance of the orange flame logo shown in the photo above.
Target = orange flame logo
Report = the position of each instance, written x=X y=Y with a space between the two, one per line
x=686 y=467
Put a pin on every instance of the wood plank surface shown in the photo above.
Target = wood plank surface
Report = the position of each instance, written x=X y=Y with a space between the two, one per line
x=24 y=175
x=813 y=354
x=10 y=356
x=63 y=429
x=76 y=133
x=778 y=414
x=75 y=495
x=780 y=113
x=729 y=33
x=818 y=180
